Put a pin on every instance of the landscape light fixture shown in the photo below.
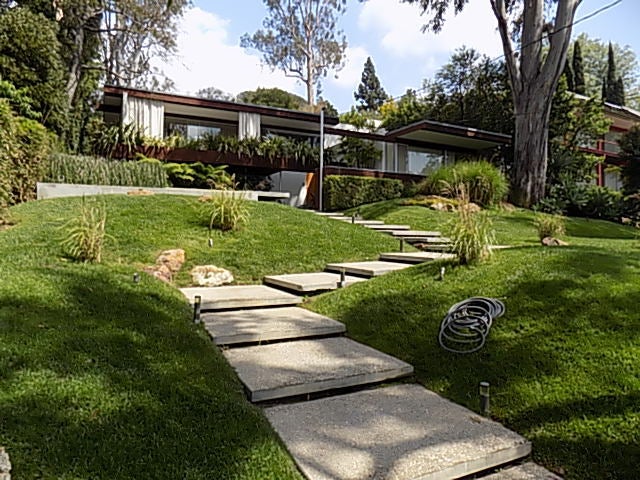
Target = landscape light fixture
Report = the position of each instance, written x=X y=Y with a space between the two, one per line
x=484 y=398
x=402 y=245
x=197 y=304
x=136 y=277
x=210 y=242
x=343 y=279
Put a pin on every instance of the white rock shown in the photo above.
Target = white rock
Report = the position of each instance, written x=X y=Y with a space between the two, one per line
x=210 y=276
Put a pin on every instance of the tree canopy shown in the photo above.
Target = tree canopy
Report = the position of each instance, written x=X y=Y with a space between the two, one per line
x=370 y=93
x=301 y=38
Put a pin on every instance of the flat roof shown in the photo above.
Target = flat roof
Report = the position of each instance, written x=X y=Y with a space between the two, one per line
x=429 y=131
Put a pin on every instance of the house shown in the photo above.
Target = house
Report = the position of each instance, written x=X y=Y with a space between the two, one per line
x=408 y=153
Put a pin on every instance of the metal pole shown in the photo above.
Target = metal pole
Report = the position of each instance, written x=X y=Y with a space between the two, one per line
x=321 y=173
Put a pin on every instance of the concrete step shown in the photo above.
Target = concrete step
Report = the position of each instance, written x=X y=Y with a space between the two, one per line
x=366 y=223
x=526 y=471
x=401 y=432
x=266 y=324
x=373 y=268
x=310 y=282
x=415 y=233
x=296 y=368
x=338 y=217
x=415 y=257
x=327 y=214
x=240 y=296
x=386 y=228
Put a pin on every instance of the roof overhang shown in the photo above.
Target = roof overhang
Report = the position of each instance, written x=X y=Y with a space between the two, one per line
x=436 y=133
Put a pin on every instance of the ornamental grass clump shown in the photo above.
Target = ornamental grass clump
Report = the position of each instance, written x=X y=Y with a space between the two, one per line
x=549 y=225
x=226 y=211
x=85 y=234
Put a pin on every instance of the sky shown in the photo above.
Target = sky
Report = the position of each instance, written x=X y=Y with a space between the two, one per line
x=209 y=52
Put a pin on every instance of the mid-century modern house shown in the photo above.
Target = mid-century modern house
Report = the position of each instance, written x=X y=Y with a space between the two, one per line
x=407 y=153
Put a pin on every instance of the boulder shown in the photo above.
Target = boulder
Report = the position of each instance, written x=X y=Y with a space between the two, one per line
x=161 y=272
x=553 y=242
x=442 y=207
x=173 y=259
x=141 y=192
x=5 y=465
x=210 y=276
x=470 y=207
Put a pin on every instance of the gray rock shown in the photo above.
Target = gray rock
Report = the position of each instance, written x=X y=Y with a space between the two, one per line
x=210 y=276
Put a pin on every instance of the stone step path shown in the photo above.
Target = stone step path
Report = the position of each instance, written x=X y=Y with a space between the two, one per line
x=310 y=282
x=268 y=324
x=369 y=269
x=365 y=223
x=302 y=367
x=415 y=233
x=415 y=257
x=386 y=227
x=240 y=296
x=526 y=471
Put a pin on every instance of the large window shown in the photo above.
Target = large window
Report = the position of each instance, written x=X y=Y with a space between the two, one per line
x=311 y=138
x=194 y=129
x=421 y=161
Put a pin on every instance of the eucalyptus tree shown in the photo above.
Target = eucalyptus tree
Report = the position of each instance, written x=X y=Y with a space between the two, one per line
x=301 y=38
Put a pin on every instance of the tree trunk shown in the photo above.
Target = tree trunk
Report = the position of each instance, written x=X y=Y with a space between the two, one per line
x=530 y=149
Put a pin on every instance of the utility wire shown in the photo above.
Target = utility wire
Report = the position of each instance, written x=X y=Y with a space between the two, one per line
x=539 y=40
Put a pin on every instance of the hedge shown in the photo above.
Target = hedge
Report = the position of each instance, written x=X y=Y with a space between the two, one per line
x=345 y=191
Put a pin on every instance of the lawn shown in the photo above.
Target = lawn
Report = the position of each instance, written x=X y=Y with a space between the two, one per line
x=104 y=378
x=564 y=361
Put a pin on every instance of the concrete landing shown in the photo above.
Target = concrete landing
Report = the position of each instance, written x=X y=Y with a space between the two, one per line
x=367 y=269
x=310 y=282
x=264 y=324
x=415 y=233
x=385 y=227
x=526 y=471
x=241 y=296
x=415 y=257
x=296 y=368
x=401 y=432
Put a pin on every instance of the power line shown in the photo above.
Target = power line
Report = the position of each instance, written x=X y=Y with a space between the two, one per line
x=541 y=39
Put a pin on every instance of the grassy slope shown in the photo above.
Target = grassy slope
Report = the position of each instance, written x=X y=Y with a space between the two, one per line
x=564 y=362
x=104 y=378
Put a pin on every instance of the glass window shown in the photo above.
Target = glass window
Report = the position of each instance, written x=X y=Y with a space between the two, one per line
x=195 y=129
x=423 y=161
x=313 y=139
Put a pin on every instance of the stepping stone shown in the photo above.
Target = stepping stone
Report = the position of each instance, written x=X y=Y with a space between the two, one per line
x=415 y=257
x=241 y=296
x=296 y=368
x=415 y=233
x=327 y=214
x=366 y=223
x=400 y=432
x=373 y=268
x=526 y=471
x=385 y=228
x=310 y=282
x=263 y=324
x=338 y=217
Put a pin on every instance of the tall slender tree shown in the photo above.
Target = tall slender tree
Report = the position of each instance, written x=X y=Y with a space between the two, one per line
x=533 y=76
x=578 y=70
x=301 y=38
x=370 y=93
x=569 y=76
x=613 y=86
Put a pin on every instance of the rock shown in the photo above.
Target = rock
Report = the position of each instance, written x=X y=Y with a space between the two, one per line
x=442 y=207
x=470 y=207
x=626 y=221
x=210 y=276
x=173 y=259
x=5 y=465
x=553 y=242
x=161 y=272
x=507 y=207
x=141 y=192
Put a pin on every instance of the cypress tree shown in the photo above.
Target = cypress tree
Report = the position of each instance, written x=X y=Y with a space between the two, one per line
x=619 y=92
x=569 y=75
x=578 y=70
x=612 y=77
x=370 y=93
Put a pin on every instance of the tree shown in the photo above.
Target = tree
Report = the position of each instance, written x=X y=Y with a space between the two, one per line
x=300 y=37
x=630 y=150
x=578 y=70
x=613 y=86
x=272 y=97
x=567 y=73
x=213 y=93
x=409 y=109
x=370 y=93
x=533 y=77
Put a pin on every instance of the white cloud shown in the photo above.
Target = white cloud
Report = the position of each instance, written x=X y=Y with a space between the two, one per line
x=208 y=58
x=350 y=75
x=398 y=25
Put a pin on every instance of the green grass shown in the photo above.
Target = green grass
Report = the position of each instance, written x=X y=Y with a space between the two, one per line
x=564 y=361
x=103 y=378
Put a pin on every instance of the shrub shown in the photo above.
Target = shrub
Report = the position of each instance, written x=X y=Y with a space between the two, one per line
x=344 y=191
x=604 y=203
x=471 y=233
x=227 y=211
x=85 y=235
x=484 y=183
x=64 y=168
x=582 y=200
x=549 y=225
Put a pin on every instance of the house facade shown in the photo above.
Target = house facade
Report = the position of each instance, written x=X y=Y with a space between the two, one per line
x=408 y=153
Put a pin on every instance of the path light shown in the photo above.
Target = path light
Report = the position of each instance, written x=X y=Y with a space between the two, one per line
x=353 y=218
x=343 y=279
x=210 y=242
x=136 y=277
x=441 y=277
x=197 y=304
x=402 y=244
x=484 y=398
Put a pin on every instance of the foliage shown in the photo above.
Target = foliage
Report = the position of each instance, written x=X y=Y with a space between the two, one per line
x=20 y=102
x=8 y=150
x=64 y=168
x=345 y=191
x=111 y=140
x=471 y=234
x=300 y=37
x=272 y=97
x=370 y=93
x=582 y=200
x=579 y=85
x=604 y=203
x=356 y=152
x=85 y=234
x=30 y=60
x=484 y=183
x=226 y=211
x=213 y=93
x=408 y=109
x=613 y=85
x=549 y=225
x=630 y=150
x=194 y=175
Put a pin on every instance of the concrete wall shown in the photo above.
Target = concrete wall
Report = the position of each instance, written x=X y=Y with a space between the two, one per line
x=57 y=190
x=292 y=184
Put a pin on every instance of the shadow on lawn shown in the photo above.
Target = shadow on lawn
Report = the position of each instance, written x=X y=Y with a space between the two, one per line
x=125 y=389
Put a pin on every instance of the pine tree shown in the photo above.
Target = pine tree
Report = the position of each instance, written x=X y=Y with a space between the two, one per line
x=569 y=76
x=370 y=93
x=579 y=85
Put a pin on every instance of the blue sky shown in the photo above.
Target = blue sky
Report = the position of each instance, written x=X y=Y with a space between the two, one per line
x=387 y=30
